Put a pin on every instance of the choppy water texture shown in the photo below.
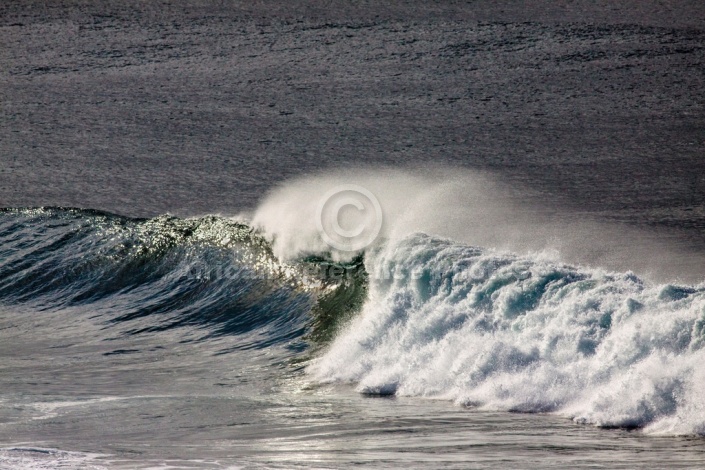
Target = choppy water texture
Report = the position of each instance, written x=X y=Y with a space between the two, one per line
x=536 y=296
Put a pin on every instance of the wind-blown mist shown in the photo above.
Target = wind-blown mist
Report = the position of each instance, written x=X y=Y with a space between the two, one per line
x=474 y=208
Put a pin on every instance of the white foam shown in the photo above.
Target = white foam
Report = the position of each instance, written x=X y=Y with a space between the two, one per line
x=498 y=331
x=38 y=458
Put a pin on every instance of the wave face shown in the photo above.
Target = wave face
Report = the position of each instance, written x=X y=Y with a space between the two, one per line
x=498 y=331
x=208 y=276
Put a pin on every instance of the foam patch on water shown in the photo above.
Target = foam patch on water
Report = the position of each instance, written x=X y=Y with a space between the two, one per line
x=525 y=333
x=37 y=458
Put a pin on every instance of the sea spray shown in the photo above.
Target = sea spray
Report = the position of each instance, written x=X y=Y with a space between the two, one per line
x=472 y=207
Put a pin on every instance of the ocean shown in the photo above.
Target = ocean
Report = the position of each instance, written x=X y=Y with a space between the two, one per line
x=347 y=234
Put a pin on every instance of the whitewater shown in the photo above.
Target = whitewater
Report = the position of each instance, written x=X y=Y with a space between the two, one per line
x=504 y=332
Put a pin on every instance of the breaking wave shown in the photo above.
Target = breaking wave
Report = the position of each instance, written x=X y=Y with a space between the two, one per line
x=524 y=333
x=496 y=323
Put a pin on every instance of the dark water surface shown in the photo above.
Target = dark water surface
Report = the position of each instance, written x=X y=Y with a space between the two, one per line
x=202 y=106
